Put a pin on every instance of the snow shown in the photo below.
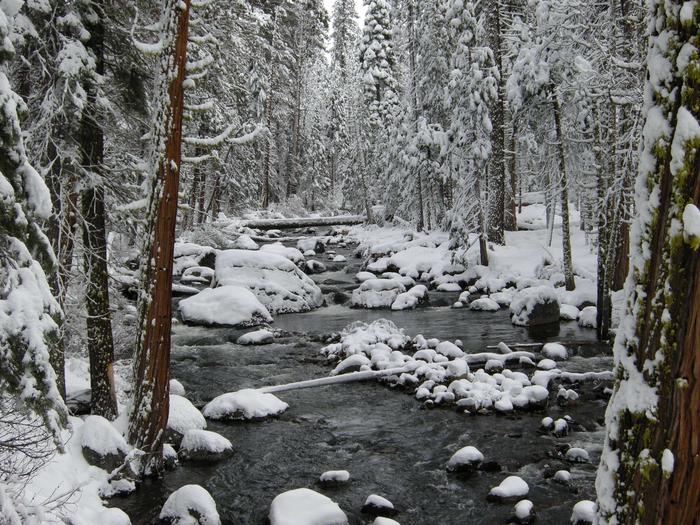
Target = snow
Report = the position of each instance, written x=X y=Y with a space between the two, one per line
x=577 y=455
x=288 y=252
x=691 y=222
x=378 y=502
x=546 y=364
x=339 y=258
x=99 y=435
x=554 y=351
x=258 y=337
x=190 y=505
x=364 y=276
x=187 y=255
x=410 y=298
x=568 y=312
x=305 y=507
x=176 y=388
x=184 y=416
x=523 y=509
x=354 y=361
x=244 y=242
x=377 y=293
x=197 y=440
x=276 y=281
x=484 y=304
x=525 y=301
x=244 y=404
x=562 y=476
x=584 y=512
x=587 y=318
x=511 y=487
x=465 y=456
x=225 y=305
x=380 y=520
x=449 y=287
x=336 y=476
x=667 y=462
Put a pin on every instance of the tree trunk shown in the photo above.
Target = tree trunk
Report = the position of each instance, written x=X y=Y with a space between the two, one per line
x=268 y=157
x=511 y=217
x=651 y=458
x=150 y=405
x=564 y=193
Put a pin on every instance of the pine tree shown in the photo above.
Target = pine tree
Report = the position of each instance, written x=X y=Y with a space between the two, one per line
x=649 y=466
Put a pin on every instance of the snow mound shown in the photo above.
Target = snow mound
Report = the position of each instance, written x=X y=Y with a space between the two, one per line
x=449 y=287
x=305 y=507
x=275 y=280
x=577 y=455
x=554 y=351
x=568 y=312
x=511 y=487
x=364 y=276
x=187 y=255
x=100 y=436
x=412 y=298
x=584 y=512
x=258 y=337
x=190 y=505
x=523 y=509
x=226 y=305
x=376 y=504
x=535 y=306
x=204 y=445
x=278 y=248
x=562 y=476
x=184 y=416
x=335 y=476
x=244 y=242
x=339 y=258
x=244 y=404
x=176 y=388
x=484 y=304
x=377 y=293
x=587 y=317
x=466 y=458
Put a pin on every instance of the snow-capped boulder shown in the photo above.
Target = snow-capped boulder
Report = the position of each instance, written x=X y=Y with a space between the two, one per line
x=244 y=404
x=378 y=506
x=510 y=488
x=535 y=306
x=314 y=244
x=577 y=455
x=546 y=364
x=187 y=255
x=258 y=337
x=562 y=476
x=449 y=287
x=377 y=293
x=226 y=305
x=554 y=351
x=305 y=507
x=568 y=312
x=466 y=459
x=524 y=512
x=275 y=280
x=584 y=512
x=449 y=349
x=203 y=445
x=365 y=276
x=312 y=266
x=587 y=317
x=197 y=275
x=183 y=416
x=102 y=444
x=339 y=259
x=334 y=477
x=485 y=304
x=190 y=505
x=169 y=457
x=176 y=388
x=416 y=295
x=352 y=363
x=382 y=520
x=288 y=252
x=244 y=242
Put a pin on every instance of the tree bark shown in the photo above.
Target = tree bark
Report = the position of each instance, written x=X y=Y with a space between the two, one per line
x=511 y=217
x=150 y=405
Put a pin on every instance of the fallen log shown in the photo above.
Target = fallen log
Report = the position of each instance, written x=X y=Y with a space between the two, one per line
x=303 y=222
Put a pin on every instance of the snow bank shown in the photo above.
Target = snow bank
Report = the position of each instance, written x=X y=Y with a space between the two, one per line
x=244 y=404
x=226 y=305
x=190 y=505
x=275 y=280
x=305 y=507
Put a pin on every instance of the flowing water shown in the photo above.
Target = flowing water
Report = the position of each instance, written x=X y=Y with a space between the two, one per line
x=389 y=442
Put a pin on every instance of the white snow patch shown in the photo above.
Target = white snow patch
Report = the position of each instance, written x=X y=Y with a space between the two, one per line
x=511 y=487
x=335 y=476
x=258 y=337
x=305 y=507
x=226 y=305
x=584 y=511
x=190 y=505
x=244 y=404
x=184 y=416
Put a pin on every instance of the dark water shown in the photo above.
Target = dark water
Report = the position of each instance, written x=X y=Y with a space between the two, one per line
x=391 y=445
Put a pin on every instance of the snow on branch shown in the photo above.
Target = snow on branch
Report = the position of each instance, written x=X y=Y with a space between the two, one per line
x=146 y=48
x=223 y=137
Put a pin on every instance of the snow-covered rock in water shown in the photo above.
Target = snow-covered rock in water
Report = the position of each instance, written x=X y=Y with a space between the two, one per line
x=465 y=460
x=305 y=507
x=187 y=254
x=169 y=456
x=377 y=293
x=313 y=244
x=569 y=312
x=535 y=306
x=577 y=455
x=102 y=444
x=383 y=520
x=510 y=488
x=244 y=242
x=449 y=349
x=484 y=304
x=546 y=364
x=554 y=351
x=562 y=476
x=287 y=252
x=503 y=298
x=449 y=287
x=226 y=305
x=197 y=275
x=524 y=512
x=353 y=363
x=560 y=427
x=416 y=295
x=365 y=276
x=203 y=445
x=331 y=477
x=183 y=416
x=244 y=404
x=276 y=281
x=547 y=423
x=312 y=266
x=339 y=258
x=378 y=505
x=190 y=505
x=584 y=512
x=258 y=337
x=587 y=317
x=176 y=388
x=533 y=397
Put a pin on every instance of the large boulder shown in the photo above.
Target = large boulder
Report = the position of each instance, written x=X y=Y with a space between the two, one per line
x=182 y=416
x=275 y=280
x=535 y=306
x=203 y=445
x=102 y=444
x=226 y=305
x=377 y=293
x=244 y=404
x=188 y=255
x=189 y=505
x=305 y=507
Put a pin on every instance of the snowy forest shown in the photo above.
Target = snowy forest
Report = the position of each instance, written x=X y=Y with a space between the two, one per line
x=307 y=262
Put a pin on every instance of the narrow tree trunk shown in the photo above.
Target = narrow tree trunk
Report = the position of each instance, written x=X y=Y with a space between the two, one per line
x=605 y=226
x=150 y=405
x=564 y=193
x=268 y=157
x=511 y=218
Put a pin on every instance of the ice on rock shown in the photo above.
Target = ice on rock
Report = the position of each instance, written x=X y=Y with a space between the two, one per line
x=465 y=459
x=535 y=306
x=244 y=404
x=203 y=445
x=190 y=505
x=587 y=317
x=584 y=512
x=568 y=312
x=176 y=388
x=305 y=507
x=376 y=504
x=278 y=248
x=258 y=337
x=184 y=416
x=577 y=455
x=335 y=476
x=523 y=511
x=244 y=242
x=511 y=487
x=275 y=281
x=554 y=351
x=562 y=476
x=226 y=305
x=484 y=304
x=377 y=293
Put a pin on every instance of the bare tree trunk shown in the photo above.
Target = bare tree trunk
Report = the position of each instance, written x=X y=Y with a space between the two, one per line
x=150 y=405
x=565 y=232
x=511 y=217
x=267 y=166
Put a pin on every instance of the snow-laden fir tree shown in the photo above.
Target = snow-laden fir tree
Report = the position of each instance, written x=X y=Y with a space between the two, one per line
x=649 y=466
x=472 y=87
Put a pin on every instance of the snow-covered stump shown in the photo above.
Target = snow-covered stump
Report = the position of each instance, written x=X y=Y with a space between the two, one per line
x=305 y=507
x=535 y=306
x=224 y=306
x=205 y=446
x=189 y=505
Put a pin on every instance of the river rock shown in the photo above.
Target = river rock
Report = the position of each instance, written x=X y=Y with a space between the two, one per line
x=224 y=306
x=189 y=505
x=183 y=416
x=377 y=293
x=203 y=445
x=535 y=306
x=102 y=444
x=378 y=506
x=466 y=459
x=244 y=404
x=334 y=477
x=523 y=512
x=510 y=488
x=305 y=507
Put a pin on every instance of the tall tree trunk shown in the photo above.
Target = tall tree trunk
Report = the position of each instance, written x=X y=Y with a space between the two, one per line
x=564 y=194
x=511 y=217
x=267 y=165
x=651 y=457
x=150 y=405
